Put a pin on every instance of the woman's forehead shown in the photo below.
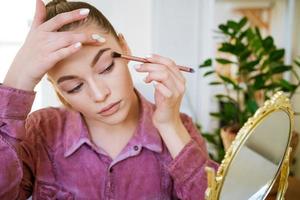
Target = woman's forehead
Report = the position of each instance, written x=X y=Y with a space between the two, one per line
x=84 y=57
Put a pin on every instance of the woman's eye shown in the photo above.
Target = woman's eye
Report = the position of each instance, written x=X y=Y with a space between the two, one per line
x=108 y=69
x=75 y=89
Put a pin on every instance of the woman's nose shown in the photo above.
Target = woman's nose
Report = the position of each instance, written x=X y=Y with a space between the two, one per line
x=99 y=91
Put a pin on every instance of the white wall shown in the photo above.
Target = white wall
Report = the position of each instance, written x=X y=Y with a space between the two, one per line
x=179 y=29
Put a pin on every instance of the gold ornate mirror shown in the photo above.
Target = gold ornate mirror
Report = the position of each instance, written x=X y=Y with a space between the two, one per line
x=258 y=155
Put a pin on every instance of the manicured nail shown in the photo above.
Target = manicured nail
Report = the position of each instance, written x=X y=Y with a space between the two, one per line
x=148 y=56
x=137 y=66
x=77 y=45
x=84 y=11
x=98 y=37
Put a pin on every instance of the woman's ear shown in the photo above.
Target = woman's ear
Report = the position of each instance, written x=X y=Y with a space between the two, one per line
x=125 y=48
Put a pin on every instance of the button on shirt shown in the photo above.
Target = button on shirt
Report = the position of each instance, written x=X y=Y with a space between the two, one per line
x=49 y=154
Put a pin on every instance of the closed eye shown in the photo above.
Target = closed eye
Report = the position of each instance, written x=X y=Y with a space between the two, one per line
x=75 y=89
x=108 y=69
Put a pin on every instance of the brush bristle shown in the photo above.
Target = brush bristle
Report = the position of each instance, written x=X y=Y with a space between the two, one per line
x=115 y=54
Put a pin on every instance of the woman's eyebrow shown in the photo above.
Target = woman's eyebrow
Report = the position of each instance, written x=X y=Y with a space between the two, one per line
x=65 y=78
x=98 y=55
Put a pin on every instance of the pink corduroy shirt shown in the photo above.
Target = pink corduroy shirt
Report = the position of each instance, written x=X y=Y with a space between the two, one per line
x=48 y=154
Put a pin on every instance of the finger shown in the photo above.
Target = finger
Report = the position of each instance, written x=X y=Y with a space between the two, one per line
x=154 y=58
x=66 y=38
x=40 y=13
x=161 y=69
x=65 y=52
x=164 y=78
x=150 y=67
x=163 y=90
x=62 y=19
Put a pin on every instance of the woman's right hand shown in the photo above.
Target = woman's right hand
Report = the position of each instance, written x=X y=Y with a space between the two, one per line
x=44 y=47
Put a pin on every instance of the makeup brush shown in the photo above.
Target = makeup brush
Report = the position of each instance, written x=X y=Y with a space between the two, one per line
x=144 y=60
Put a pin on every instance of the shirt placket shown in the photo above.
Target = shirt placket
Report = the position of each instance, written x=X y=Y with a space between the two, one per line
x=109 y=186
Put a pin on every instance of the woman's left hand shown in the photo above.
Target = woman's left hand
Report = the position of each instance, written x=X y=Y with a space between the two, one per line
x=169 y=88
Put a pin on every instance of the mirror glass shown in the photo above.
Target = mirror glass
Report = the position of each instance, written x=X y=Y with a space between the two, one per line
x=258 y=160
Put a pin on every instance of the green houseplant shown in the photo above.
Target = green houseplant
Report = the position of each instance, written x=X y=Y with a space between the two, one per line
x=258 y=74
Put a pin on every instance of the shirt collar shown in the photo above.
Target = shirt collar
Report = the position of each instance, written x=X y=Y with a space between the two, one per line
x=146 y=135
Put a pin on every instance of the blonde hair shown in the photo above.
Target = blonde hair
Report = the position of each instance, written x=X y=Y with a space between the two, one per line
x=56 y=7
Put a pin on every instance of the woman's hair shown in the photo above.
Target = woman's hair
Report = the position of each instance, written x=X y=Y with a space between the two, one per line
x=56 y=7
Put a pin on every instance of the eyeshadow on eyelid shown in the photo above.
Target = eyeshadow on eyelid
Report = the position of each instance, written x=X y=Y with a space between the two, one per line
x=104 y=62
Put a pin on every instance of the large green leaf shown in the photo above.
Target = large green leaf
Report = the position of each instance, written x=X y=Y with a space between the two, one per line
x=251 y=106
x=258 y=34
x=276 y=55
x=297 y=62
x=243 y=22
x=227 y=47
x=250 y=34
x=224 y=29
x=259 y=83
x=245 y=54
x=268 y=43
x=256 y=44
x=230 y=112
x=215 y=114
x=215 y=83
x=224 y=61
x=229 y=81
x=287 y=86
x=249 y=65
x=281 y=69
x=206 y=63
x=233 y=25
x=209 y=73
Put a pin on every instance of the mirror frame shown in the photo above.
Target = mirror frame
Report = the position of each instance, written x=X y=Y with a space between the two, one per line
x=279 y=101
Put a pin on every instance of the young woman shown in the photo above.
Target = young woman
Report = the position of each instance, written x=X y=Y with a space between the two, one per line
x=107 y=141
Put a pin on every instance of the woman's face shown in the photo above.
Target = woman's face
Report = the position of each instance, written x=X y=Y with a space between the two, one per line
x=90 y=80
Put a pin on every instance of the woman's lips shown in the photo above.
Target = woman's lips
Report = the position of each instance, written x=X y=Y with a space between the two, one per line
x=110 y=109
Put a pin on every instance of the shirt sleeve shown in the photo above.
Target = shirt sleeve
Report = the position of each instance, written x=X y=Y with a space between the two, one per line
x=15 y=175
x=188 y=167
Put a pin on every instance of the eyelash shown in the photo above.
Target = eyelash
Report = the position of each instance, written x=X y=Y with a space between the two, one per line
x=108 y=69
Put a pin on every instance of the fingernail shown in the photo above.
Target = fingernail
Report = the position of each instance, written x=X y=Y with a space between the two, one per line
x=84 y=11
x=77 y=45
x=148 y=56
x=144 y=79
x=137 y=66
x=98 y=37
